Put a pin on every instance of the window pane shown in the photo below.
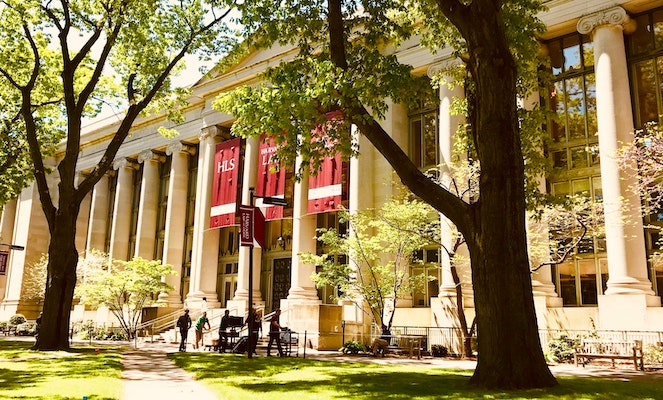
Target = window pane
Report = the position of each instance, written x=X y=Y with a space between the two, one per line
x=558 y=124
x=575 y=103
x=598 y=188
x=560 y=159
x=567 y=282
x=645 y=91
x=416 y=142
x=658 y=28
x=579 y=157
x=587 y=51
x=588 y=281
x=581 y=187
x=561 y=189
x=590 y=103
x=430 y=140
x=556 y=56
x=572 y=53
x=640 y=41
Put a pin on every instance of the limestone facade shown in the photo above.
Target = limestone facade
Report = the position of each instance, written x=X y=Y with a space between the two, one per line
x=155 y=203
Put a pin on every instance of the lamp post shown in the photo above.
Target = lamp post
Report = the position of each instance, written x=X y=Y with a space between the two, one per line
x=247 y=235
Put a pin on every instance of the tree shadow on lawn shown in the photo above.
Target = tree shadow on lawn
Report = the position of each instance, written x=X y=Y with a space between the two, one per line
x=42 y=368
x=370 y=381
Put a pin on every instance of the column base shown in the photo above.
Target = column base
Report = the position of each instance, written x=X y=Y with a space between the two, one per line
x=629 y=286
x=298 y=293
x=195 y=299
x=170 y=300
x=319 y=325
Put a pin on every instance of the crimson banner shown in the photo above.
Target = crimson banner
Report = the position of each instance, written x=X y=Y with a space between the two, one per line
x=324 y=189
x=271 y=178
x=224 y=188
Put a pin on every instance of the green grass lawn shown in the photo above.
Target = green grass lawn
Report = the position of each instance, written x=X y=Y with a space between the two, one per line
x=27 y=374
x=232 y=376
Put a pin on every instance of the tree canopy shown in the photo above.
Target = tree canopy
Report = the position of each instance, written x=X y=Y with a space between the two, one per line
x=125 y=288
x=61 y=61
x=346 y=62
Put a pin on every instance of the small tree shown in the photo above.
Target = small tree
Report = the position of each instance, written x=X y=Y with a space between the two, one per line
x=380 y=245
x=125 y=288
x=568 y=222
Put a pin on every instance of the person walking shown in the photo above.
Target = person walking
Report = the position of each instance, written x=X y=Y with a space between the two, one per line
x=275 y=333
x=184 y=323
x=200 y=325
x=223 y=334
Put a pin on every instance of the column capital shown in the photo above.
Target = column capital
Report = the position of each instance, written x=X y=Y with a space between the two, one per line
x=149 y=155
x=176 y=147
x=123 y=163
x=610 y=16
x=209 y=131
x=441 y=65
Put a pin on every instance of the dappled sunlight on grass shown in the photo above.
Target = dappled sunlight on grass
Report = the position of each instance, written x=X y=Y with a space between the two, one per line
x=29 y=374
x=234 y=376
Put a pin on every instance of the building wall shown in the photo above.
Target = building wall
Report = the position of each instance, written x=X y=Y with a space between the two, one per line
x=212 y=266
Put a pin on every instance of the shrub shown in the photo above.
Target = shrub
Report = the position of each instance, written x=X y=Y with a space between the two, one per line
x=653 y=354
x=353 y=347
x=562 y=348
x=439 y=351
x=17 y=319
x=26 y=329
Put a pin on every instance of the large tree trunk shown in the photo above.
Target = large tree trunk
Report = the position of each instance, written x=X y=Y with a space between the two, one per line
x=510 y=354
x=60 y=284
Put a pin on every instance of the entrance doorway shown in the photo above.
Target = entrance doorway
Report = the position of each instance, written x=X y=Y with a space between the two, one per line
x=280 y=280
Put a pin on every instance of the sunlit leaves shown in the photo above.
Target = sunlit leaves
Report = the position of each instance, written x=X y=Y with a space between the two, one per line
x=381 y=244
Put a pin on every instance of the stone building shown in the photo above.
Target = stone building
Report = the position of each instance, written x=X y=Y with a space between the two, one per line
x=157 y=202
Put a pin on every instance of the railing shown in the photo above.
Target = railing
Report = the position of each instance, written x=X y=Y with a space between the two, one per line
x=451 y=338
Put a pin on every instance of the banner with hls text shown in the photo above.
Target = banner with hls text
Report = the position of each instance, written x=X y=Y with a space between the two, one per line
x=271 y=178
x=225 y=185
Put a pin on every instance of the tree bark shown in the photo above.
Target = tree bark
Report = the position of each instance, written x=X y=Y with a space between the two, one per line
x=60 y=283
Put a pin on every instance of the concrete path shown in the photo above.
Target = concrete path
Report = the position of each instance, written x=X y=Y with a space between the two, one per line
x=149 y=374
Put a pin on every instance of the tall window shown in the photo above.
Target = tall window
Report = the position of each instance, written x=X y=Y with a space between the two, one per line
x=574 y=155
x=645 y=57
x=424 y=135
x=431 y=268
x=645 y=54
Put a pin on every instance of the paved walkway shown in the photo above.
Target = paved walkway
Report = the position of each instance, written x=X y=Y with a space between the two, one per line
x=149 y=374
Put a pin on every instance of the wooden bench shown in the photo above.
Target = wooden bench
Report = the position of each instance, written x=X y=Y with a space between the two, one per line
x=590 y=349
x=408 y=344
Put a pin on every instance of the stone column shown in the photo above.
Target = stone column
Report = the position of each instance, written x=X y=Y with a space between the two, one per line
x=31 y=231
x=148 y=205
x=205 y=251
x=120 y=226
x=6 y=237
x=251 y=154
x=448 y=126
x=98 y=223
x=302 y=288
x=173 y=243
x=627 y=263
